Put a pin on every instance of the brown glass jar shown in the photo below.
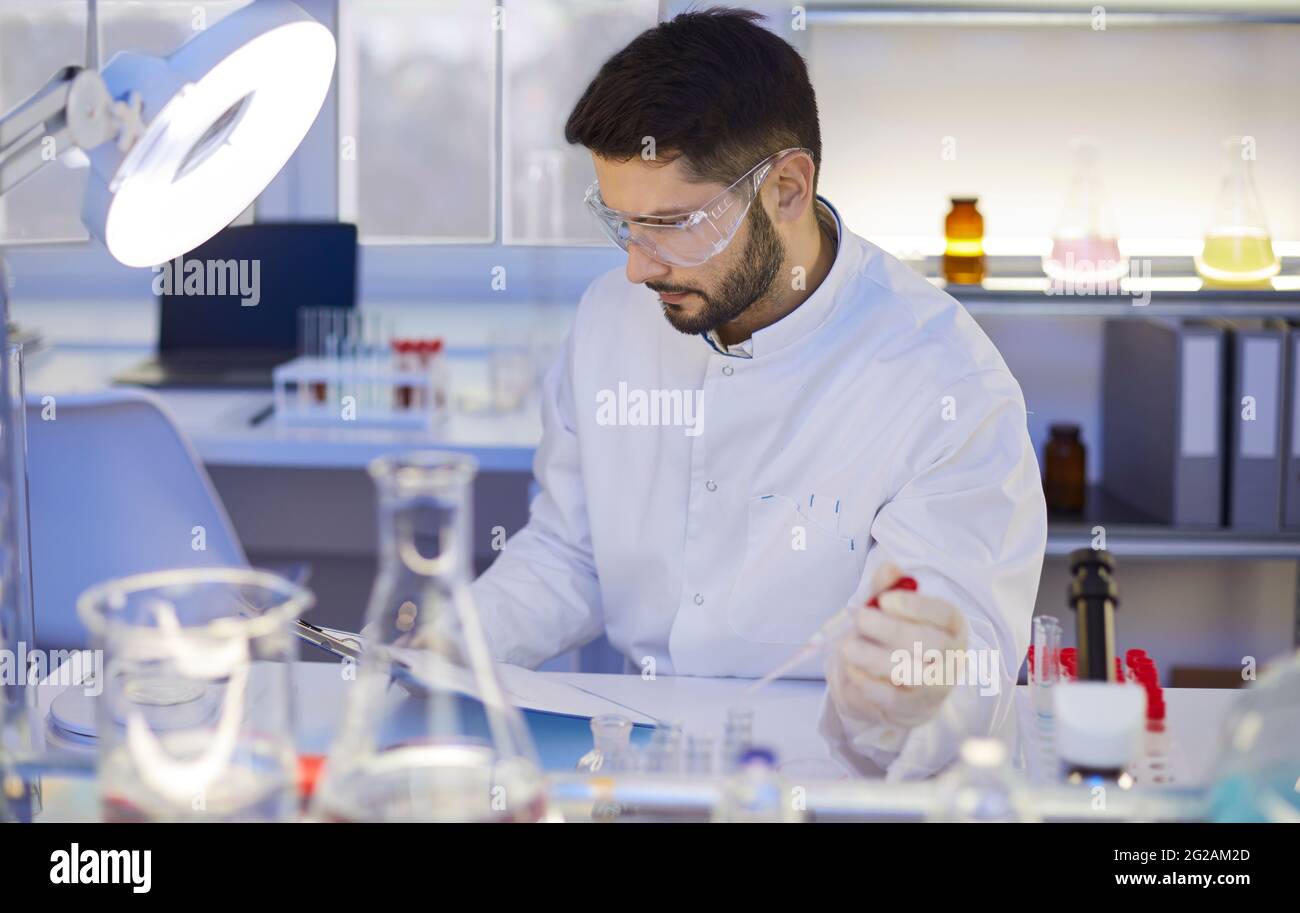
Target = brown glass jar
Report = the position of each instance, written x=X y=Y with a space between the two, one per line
x=1064 y=469
x=963 y=253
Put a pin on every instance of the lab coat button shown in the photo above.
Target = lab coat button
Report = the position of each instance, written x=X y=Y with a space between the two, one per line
x=711 y=485
x=728 y=370
x=699 y=599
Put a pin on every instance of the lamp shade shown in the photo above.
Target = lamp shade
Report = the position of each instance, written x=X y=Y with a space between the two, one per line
x=221 y=117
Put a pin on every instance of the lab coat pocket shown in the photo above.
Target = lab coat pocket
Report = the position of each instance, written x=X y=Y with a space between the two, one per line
x=796 y=573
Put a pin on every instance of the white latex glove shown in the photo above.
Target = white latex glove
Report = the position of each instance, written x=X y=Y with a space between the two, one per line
x=860 y=670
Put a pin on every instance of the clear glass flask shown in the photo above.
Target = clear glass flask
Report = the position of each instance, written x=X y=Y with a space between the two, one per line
x=1084 y=245
x=194 y=722
x=611 y=737
x=1238 y=250
x=428 y=733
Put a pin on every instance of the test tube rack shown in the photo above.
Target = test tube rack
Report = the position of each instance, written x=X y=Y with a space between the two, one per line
x=340 y=393
x=1162 y=763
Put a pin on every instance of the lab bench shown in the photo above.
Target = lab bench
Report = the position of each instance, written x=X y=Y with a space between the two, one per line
x=785 y=721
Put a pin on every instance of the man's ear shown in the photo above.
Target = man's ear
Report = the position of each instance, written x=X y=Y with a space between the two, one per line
x=793 y=180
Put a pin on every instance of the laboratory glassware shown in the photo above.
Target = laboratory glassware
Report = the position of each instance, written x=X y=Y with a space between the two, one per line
x=1256 y=775
x=447 y=745
x=665 y=753
x=700 y=755
x=1044 y=676
x=963 y=231
x=1046 y=670
x=195 y=720
x=755 y=793
x=737 y=736
x=983 y=787
x=1084 y=245
x=352 y=371
x=1238 y=250
x=19 y=797
x=1064 y=469
x=512 y=370
x=611 y=736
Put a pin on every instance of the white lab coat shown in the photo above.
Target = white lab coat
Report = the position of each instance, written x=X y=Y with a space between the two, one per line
x=875 y=422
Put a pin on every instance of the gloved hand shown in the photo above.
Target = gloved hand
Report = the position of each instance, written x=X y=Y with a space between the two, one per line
x=860 y=669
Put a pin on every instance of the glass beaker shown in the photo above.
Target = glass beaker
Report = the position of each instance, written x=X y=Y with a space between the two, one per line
x=1084 y=246
x=195 y=719
x=611 y=736
x=428 y=734
x=1238 y=250
x=512 y=370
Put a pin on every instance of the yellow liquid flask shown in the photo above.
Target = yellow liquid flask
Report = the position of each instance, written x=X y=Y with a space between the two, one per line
x=428 y=733
x=1238 y=251
x=1084 y=247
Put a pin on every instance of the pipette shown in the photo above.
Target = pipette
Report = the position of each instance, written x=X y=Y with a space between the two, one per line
x=832 y=629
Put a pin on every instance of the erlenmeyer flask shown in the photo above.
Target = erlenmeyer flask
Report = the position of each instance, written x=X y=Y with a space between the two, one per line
x=1238 y=251
x=428 y=734
x=1084 y=247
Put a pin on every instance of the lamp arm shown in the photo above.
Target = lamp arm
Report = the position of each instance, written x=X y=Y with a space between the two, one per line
x=73 y=109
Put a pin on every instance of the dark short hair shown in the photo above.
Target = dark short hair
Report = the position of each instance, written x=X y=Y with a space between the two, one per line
x=711 y=86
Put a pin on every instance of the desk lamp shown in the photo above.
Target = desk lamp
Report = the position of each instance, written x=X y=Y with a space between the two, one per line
x=178 y=147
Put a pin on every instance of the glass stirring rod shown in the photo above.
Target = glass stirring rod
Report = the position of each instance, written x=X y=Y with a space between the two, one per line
x=833 y=627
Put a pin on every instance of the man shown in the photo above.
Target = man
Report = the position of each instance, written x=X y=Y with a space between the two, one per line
x=763 y=418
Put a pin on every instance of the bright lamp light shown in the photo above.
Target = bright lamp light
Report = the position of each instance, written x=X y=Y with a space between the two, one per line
x=223 y=114
x=180 y=146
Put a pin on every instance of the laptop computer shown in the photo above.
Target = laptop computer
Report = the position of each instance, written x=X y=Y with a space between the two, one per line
x=228 y=310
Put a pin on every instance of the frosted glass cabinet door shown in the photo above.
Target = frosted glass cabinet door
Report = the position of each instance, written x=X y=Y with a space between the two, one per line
x=417 y=106
x=552 y=49
x=36 y=40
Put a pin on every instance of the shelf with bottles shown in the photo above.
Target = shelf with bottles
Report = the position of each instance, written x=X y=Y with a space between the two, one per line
x=1085 y=268
x=1171 y=290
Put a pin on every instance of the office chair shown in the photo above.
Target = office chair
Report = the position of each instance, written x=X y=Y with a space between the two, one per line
x=114 y=489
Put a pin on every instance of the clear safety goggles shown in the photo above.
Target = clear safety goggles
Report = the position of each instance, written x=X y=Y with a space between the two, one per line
x=689 y=238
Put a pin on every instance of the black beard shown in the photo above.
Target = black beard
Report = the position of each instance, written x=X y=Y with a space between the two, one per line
x=750 y=280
